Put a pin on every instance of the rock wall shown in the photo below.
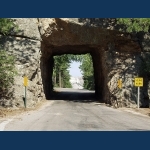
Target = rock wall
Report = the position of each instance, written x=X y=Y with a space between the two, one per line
x=145 y=57
x=115 y=55
x=25 y=46
x=143 y=40
x=123 y=67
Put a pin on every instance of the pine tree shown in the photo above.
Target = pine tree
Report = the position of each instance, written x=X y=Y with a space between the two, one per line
x=61 y=75
x=88 y=72
x=6 y=25
x=7 y=62
x=134 y=24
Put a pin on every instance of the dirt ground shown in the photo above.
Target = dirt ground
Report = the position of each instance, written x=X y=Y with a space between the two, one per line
x=142 y=111
x=6 y=112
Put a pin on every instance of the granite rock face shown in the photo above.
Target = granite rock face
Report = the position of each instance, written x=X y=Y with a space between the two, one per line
x=115 y=56
x=27 y=27
x=25 y=46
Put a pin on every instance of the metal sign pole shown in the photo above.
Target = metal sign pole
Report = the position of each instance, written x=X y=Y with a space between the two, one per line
x=25 y=97
x=138 y=82
x=138 y=96
x=25 y=84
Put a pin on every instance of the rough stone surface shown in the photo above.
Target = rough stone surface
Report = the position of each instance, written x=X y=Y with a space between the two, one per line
x=112 y=53
x=115 y=55
x=78 y=34
x=145 y=55
x=27 y=27
x=27 y=54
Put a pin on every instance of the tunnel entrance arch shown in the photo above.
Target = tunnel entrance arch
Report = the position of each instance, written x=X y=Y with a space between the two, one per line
x=47 y=64
x=112 y=53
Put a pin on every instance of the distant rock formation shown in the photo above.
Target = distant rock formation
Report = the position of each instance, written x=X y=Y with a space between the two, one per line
x=76 y=82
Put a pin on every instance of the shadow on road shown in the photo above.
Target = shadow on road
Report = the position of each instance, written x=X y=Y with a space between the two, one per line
x=83 y=97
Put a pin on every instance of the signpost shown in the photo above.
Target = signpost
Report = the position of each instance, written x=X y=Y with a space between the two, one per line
x=25 y=82
x=138 y=82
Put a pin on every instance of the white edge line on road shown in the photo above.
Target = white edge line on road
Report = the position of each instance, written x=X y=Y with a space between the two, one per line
x=4 y=123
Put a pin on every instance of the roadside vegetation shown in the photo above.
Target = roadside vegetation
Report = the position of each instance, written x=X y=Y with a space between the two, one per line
x=134 y=25
x=7 y=61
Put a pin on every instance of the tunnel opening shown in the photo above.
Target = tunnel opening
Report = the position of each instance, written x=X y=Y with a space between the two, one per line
x=73 y=71
x=70 y=82
x=48 y=66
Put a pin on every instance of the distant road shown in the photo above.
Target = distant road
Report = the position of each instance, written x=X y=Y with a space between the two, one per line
x=76 y=110
x=74 y=90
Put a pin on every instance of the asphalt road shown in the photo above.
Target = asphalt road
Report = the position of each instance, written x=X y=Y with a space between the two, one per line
x=70 y=111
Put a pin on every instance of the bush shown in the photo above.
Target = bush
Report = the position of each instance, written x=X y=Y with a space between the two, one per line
x=7 y=72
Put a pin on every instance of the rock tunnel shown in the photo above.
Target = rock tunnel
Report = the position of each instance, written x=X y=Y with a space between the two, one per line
x=99 y=71
x=115 y=56
x=109 y=50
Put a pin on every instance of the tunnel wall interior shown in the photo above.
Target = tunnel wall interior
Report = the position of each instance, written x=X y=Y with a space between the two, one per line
x=47 y=63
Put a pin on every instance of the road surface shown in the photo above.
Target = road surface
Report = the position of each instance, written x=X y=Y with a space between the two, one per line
x=70 y=111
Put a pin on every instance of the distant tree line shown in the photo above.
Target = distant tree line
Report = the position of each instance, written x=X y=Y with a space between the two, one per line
x=61 y=74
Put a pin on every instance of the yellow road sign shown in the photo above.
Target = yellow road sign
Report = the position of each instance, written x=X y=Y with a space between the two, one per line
x=25 y=81
x=120 y=83
x=138 y=81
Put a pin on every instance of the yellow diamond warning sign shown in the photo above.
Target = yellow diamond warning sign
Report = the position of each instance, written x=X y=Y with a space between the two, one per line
x=138 y=81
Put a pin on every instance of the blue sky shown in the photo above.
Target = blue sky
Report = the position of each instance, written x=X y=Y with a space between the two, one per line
x=74 y=69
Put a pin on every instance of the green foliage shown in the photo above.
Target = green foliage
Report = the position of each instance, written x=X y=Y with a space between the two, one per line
x=87 y=71
x=134 y=24
x=66 y=79
x=7 y=71
x=7 y=62
x=61 y=64
x=6 y=25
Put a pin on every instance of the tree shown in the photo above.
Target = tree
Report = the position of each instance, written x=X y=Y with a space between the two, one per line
x=61 y=75
x=7 y=62
x=7 y=71
x=134 y=24
x=87 y=71
x=6 y=25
